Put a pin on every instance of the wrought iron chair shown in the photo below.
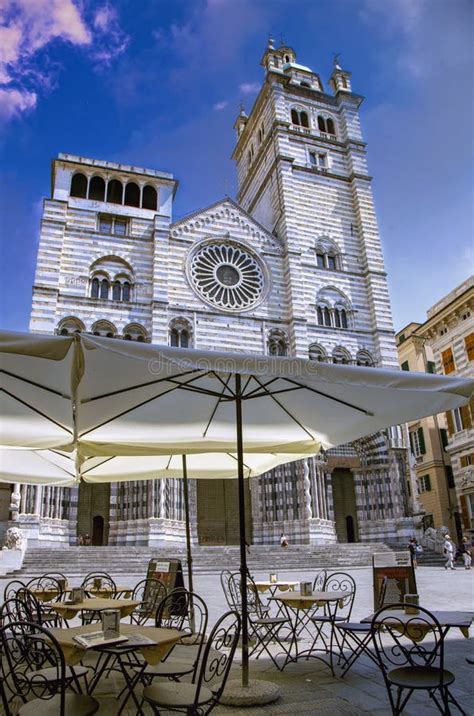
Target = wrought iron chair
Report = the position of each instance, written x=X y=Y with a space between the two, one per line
x=35 y=611
x=149 y=592
x=89 y=581
x=88 y=584
x=263 y=628
x=359 y=634
x=202 y=695
x=407 y=662
x=318 y=586
x=34 y=672
x=335 y=611
x=180 y=609
x=12 y=588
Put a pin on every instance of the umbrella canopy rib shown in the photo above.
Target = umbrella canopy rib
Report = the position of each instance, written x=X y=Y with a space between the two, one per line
x=211 y=418
x=34 y=383
x=112 y=393
x=178 y=386
x=330 y=397
x=36 y=410
x=285 y=410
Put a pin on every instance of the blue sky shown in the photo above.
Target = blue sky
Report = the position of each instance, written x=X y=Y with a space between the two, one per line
x=157 y=83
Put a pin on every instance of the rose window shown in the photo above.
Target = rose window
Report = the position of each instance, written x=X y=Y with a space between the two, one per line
x=227 y=275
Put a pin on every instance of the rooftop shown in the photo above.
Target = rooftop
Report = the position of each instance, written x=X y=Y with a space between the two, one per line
x=113 y=165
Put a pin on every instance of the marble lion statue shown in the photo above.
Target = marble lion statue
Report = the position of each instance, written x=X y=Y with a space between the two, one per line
x=13 y=538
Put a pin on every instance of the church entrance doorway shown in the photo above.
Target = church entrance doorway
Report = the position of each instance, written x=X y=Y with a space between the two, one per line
x=93 y=512
x=345 y=511
x=218 y=512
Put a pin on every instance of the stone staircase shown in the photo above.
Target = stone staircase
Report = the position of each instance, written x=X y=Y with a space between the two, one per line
x=78 y=561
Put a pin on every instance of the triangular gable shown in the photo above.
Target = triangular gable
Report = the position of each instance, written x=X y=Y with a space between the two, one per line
x=228 y=213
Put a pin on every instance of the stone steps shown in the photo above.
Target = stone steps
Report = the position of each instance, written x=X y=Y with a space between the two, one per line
x=77 y=561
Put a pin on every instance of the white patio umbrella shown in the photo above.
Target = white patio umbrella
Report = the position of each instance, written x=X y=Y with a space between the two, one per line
x=138 y=399
x=37 y=467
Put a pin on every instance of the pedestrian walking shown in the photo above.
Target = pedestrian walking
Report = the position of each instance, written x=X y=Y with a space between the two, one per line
x=283 y=540
x=449 y=551
x=466 y=553
x=412 y=549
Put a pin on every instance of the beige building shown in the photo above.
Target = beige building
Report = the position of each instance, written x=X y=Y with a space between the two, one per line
x=445 y=344
x=432 y=489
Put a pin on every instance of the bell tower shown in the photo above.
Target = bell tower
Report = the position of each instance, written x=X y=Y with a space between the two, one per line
x=302 y=173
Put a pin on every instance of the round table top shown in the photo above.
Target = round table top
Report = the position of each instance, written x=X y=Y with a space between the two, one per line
x=305 y=601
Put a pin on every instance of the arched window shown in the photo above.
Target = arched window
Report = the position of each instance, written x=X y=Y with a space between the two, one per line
x=305 y=84
x=79 y=186
x=104 y=288
x=365 y=358
x=104 y=328
x=150 y=198
x=304 y=120
x=316 y=352
x=340 y=355
x=340 y=317
x=117 y=291
x=132 y=194
x=115 y=192
x=326 y=125
x=135 y=332
x=319 y=312
x=95 y=288
x=299 y=118
x=97 y=189
x=180 y=333
x=328 y=255
x=327 y=316
x=277 y=344
x=69 y=326
x=126 y=291
x=295 y=117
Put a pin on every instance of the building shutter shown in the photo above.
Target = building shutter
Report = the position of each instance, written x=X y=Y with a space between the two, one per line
x=466 y=523
x=430 y=367
x=469 y=343
x=450 y=422
x=444 y=437
x=466 y=416
x=427 y=483
x=421 y=441
x=405 y=366
x=447 y=360
x=411 y=443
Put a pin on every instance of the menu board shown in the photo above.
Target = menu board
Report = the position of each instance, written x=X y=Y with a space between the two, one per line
x=168 y=571
x=398 y=569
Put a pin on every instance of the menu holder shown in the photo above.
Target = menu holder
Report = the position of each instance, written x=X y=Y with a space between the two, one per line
x=273 y=578
x=110 y=622
x=306 y=589
x=77 y=595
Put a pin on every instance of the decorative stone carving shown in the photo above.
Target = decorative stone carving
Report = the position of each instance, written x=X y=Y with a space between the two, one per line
x=13 y=538
x=433 y=538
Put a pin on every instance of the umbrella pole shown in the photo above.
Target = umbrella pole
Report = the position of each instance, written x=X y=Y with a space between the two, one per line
x=189 y=557
x=243 y=541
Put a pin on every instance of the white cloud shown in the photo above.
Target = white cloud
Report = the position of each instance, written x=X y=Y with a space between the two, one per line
x=218 y=106
x=29 y=26
x=14 y=102
x=249 y=87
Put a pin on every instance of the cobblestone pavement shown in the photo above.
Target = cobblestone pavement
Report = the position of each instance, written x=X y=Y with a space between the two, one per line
x=308 y=687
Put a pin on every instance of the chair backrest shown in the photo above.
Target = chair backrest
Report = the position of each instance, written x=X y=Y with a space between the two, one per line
x=224 y=577
x=47 y=586
x=57 y=575
x=27 y=648
x=402 y=639
x=218 y=655
x=254 y=603
x=28 y=606
x=175 y=610
x=149 y=592
x=14 y=610
x=106 y=581
x=341 y=582
x=382 y=592
x=12 y=588
x=319 y=581
x=233 y=594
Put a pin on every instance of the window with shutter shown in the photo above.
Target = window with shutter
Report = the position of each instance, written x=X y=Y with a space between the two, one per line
x=466 y=520
x=424 y=483
x=430 y=367
x=450 y=422
x=466 y=416
x=447 y=360
x=469 y=344
x=405 y=366
x=444 y=437
x=421 y=441
x=449 y=476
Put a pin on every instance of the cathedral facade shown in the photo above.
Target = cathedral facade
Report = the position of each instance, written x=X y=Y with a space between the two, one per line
x=293 y=266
